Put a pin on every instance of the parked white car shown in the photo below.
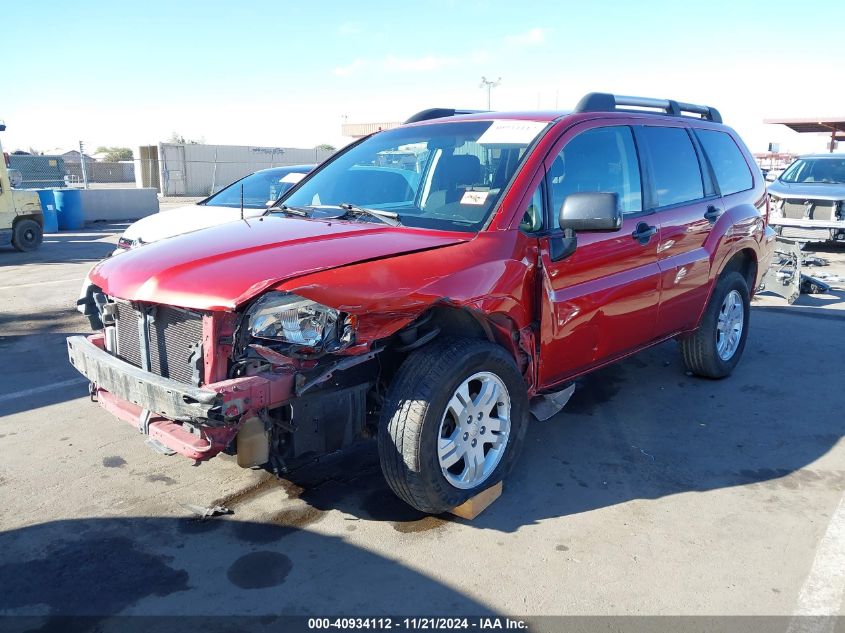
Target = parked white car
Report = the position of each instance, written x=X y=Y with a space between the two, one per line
x=260 y=190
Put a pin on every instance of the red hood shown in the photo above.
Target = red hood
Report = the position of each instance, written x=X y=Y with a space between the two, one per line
x=223 y=266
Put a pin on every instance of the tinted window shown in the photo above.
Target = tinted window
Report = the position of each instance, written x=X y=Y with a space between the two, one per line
x=732 y=172
x=601 y=159
x=674 y=163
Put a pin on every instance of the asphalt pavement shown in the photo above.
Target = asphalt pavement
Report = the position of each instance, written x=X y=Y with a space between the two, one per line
x=652 y=493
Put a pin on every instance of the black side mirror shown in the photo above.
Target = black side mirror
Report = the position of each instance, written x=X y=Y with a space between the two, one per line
x=590 y=211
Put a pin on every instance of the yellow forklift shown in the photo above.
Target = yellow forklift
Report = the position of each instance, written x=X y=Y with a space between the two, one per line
x=21 y=217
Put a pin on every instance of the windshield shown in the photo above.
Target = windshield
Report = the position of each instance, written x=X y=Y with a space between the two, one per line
x=259 y=189
x=809 y=170
x=445 y=176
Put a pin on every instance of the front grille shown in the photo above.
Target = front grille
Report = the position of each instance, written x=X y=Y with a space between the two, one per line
x=175 y=335
x=816 y=209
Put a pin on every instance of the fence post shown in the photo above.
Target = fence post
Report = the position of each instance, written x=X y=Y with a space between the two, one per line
x=82 y=164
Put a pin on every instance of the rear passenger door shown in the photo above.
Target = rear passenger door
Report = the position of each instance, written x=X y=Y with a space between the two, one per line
x=600 y=302
x=681 y=192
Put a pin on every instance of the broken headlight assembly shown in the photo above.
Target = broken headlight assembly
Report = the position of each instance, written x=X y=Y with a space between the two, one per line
x=292 y=319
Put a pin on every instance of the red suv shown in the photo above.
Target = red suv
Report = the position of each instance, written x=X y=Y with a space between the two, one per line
x=433 y=303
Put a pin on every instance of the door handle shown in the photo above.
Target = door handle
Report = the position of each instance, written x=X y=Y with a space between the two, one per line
x=712 y=214
x=644 y=232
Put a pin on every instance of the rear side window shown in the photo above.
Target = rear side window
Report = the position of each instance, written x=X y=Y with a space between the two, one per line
x=731 y=170
x=602 y=159
x=674 y=165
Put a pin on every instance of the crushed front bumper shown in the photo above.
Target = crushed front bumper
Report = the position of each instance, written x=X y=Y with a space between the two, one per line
x=197 y=422
x=162 y=396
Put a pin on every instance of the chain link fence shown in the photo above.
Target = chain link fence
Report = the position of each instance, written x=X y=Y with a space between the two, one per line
x=173 y=169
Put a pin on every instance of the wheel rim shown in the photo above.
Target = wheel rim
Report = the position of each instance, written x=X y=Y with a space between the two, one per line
x=474 y=430
x=729 y=326
x=29 y=236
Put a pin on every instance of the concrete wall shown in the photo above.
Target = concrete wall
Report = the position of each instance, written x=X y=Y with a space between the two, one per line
x=118 y=204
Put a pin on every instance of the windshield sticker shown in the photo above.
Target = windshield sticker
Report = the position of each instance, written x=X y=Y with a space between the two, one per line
x=511 y=132
x=292 y=177
x=474 y=197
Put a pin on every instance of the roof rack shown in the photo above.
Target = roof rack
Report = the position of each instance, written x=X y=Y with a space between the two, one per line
x=606 y=102
x=439 y=113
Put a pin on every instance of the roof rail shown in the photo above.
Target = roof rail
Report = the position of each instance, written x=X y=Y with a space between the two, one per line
x=606 y=102
x=439 y=113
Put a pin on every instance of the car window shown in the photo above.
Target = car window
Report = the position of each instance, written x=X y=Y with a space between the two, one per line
x=532 y=220
x=674 y=164
x=441 y=175
x=816 y=170
x=258 y=189
x=732 y=173
x=601 y=159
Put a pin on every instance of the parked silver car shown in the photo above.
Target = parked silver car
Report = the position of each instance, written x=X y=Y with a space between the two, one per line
x=808 y=199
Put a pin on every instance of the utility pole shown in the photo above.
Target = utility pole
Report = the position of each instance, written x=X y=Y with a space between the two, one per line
x=489 y=84
x=82 y=164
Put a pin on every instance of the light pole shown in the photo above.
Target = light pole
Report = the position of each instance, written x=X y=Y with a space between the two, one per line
x=489 y=84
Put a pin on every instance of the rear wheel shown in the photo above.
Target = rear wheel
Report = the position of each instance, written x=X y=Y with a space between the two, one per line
x=715 y=348
x=453 y=423
x=26 y=235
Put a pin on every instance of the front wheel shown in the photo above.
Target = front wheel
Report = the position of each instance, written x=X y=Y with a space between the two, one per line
x=27 y=235
x=715 y=348
x=453 y=423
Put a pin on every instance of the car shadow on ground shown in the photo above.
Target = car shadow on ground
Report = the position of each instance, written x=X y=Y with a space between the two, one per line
x=101 y=567
x=642 y=429
x=89 y=244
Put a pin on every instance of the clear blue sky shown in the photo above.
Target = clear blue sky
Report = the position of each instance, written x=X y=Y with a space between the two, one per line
x=284 y=73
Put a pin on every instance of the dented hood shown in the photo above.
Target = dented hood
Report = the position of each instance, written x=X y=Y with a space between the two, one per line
x=223 y=266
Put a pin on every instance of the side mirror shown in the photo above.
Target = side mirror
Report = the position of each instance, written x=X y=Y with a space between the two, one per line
x=590 y=211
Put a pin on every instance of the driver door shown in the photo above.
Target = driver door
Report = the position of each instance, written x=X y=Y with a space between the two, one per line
x=600 y=302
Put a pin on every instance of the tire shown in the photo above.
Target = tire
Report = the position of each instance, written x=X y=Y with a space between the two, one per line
x=701 y=351
x=27 y=235
x=420 y=409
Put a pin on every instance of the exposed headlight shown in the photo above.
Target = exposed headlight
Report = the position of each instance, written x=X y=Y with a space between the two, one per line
x=292 y=319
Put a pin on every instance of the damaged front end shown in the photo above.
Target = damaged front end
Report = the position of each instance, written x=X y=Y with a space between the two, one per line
x=281 y=382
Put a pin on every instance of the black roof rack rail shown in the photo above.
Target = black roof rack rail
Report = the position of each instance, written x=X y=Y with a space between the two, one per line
x=606 y=102
x=439 y=113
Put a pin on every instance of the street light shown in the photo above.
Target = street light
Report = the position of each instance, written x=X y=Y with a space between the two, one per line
x=489 y=84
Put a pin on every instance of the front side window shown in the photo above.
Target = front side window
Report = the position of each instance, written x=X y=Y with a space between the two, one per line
x=731 y=170
x=445 y=176
x=259 y=189
x=816 y=170
x=674 y=165
x=602 y=160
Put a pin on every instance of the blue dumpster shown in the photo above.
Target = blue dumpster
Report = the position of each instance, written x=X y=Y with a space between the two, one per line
x=69 y=209
x=48 y=205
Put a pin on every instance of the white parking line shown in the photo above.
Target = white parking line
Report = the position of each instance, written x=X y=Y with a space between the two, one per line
x=36 y=390
x=824 y=588
x=41 y=283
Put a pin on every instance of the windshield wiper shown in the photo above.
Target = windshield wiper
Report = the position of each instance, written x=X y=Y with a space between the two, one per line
x=283 y=208
x=388 y=217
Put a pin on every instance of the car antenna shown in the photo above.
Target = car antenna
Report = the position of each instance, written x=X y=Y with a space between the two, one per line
x=242 y=201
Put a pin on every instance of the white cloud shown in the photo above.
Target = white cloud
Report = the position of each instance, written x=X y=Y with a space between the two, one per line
x=349 y=28
x=531 y=37
x=349 y=69
x=426 y=63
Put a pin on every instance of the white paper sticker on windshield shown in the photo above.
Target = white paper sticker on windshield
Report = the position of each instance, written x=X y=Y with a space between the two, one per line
x=474 y=197
x=292 y=178
x=511 y=132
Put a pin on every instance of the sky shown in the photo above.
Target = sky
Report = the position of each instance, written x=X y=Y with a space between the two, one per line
x=285 y=74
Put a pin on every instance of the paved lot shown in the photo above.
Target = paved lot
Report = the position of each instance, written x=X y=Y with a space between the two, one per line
x=652 y=493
